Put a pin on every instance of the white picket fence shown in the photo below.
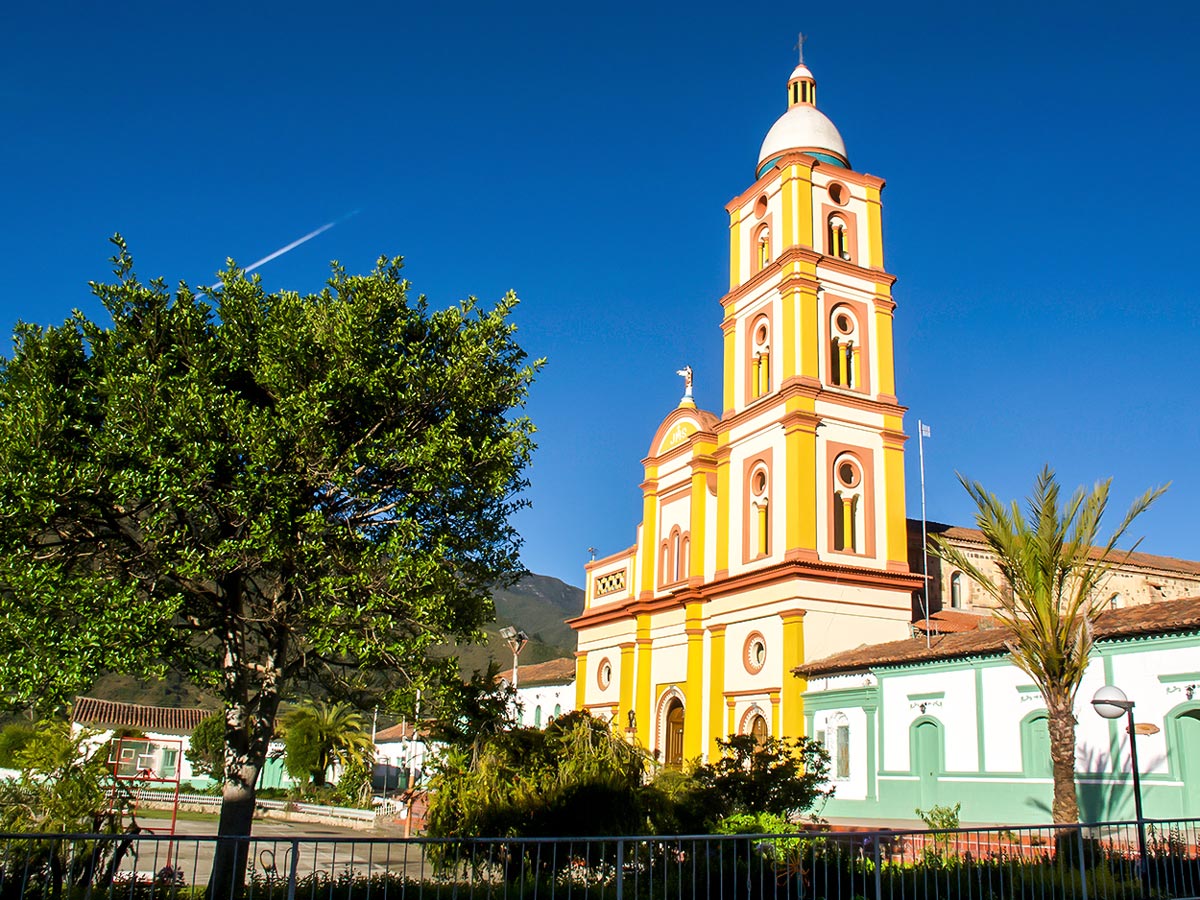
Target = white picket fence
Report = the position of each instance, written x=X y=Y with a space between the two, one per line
x=213 y=802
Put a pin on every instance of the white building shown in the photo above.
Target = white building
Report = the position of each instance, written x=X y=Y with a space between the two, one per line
x=544 y=691
x=909 y=726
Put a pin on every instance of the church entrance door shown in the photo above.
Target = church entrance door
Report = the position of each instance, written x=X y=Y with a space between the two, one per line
x=674 y=735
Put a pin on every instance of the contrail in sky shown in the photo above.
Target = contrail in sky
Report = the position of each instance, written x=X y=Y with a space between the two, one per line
x=292 y=246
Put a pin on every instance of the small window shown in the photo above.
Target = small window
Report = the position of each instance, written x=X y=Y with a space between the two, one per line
x=762 y=248
x=604 y=674
x=557 y=710
x=839 y=242
x=845 y=356
x=848 y=510
x=537 y=716
x=956 y=600
x=838 y=728
x=754 y=653
x=760 y=519
x=760 y=358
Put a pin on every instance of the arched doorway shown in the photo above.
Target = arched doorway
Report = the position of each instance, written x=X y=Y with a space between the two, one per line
x=758 y=728
x=1185 y=753
x=673 y=742
x=927 y=759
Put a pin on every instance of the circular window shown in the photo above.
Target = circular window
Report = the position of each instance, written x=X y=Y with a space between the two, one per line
x=848 y=474
x=604 y=674
x=759 y=482
x=843 y=323
x=760 y=208
x=760 y=335
x=754 y=653
x=838 y=193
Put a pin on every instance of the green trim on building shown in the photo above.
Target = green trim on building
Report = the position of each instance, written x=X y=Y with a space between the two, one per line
x=931 y=695
x=1182 y=676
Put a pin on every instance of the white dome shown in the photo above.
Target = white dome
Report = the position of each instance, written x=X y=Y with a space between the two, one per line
x=802 y=128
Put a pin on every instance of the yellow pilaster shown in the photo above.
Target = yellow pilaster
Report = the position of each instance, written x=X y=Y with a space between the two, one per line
x=627 y=699
x=797 y=206
x=893 y=475
x=793 y=655
x=885 y=378
x=730 y=709
x=789 y=299
x=775 y=713
x=643 y=701
x=580 y=679
x=874 y=228
x=730 y=381
x=649 y=548
x=722 y=560
x=800 y=446
x=809 y=333
x=716 y=701
x=699 y=520
x=693 y=723
x=735 y=247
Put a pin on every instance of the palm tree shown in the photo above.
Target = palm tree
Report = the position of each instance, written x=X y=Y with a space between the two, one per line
x=1052 y=568
x=318 y=734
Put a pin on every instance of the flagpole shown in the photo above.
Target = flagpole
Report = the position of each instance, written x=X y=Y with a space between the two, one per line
x=922 y=432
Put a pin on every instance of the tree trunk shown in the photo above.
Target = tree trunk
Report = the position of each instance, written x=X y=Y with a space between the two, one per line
x=1061 y=723
x=228 y=876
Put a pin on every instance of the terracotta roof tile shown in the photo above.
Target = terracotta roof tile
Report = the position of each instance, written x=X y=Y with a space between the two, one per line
x=402 y=732
x=97 y=713
x=1163 y=617
x=950 y=621
x=555 y=671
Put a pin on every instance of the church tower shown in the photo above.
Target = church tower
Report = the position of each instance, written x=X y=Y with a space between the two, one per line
x=775 y=531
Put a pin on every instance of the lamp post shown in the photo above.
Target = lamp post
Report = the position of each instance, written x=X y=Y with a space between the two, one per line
x=516 y=640
x=1111 y=703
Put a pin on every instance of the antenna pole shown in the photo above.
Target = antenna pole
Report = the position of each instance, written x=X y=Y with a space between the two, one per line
x=922 y=431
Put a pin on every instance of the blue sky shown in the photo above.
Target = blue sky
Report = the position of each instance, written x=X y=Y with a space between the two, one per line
x=1041 y=208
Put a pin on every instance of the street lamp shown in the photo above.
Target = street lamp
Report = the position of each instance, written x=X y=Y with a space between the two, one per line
x=516 y=640
x=1111 y=703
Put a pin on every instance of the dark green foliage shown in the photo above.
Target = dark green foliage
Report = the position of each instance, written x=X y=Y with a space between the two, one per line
x=781 y=776
x=206 y=748
x=575 y=777
x=13 y=738
x=472 y=711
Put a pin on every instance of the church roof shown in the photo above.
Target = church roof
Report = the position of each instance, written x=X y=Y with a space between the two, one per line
x=1164 y=617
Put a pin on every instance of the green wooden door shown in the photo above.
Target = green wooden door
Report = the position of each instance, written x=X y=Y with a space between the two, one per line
x=1187 y=759
x=927 y=760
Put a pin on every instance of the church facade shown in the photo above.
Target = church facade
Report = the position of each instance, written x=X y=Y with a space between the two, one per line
x=774 y=531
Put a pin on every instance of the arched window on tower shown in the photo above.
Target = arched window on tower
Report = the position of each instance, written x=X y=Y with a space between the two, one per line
x=845 y=362
x=760 y=358
x=760 y=518
x=839 y=244
x=676 y=548
x=762 y=248
x=848 y=508
x=956 y=597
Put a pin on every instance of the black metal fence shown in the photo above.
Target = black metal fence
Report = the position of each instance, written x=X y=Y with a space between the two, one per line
x=1097 y=862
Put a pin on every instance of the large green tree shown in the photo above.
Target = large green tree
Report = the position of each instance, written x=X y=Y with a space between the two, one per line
x=258 y=489
x=1053 y=564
